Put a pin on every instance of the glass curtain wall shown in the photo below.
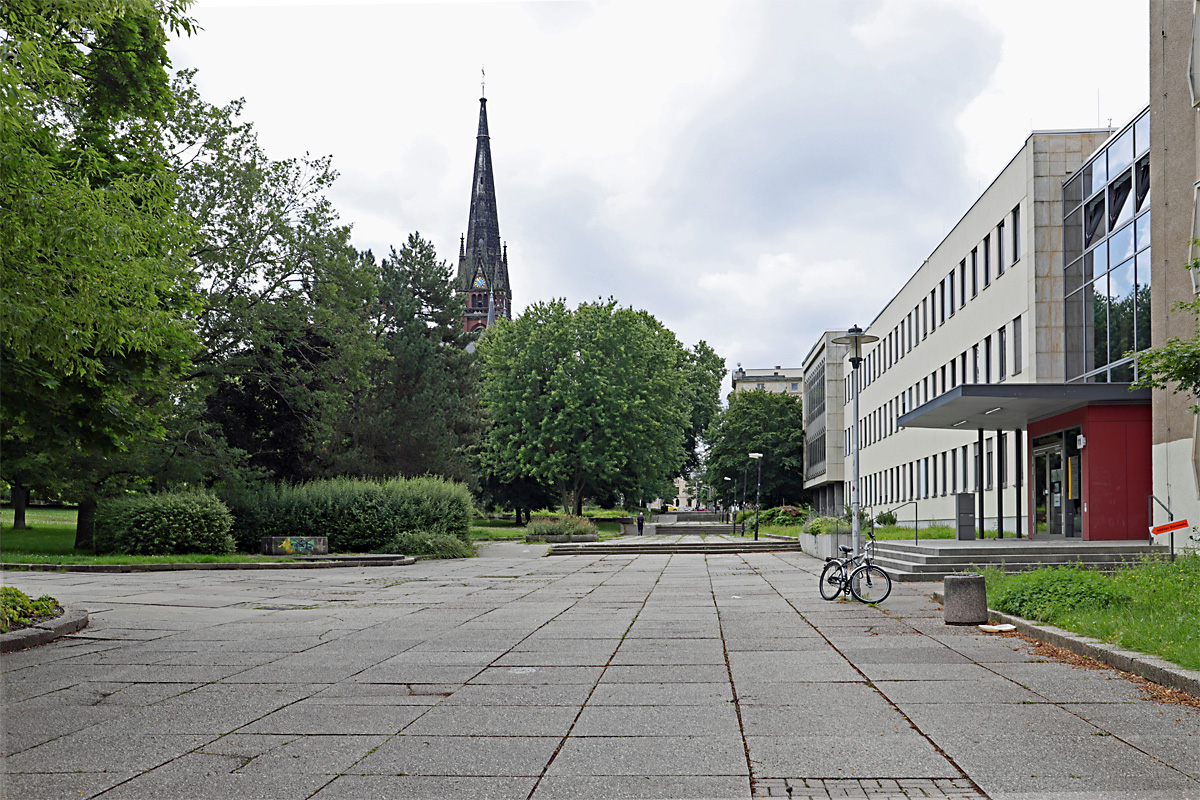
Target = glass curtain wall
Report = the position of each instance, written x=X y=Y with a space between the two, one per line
x=1106 y=250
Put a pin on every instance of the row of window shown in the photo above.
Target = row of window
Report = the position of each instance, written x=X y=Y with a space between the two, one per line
x=947 y=297
x=945 y=473
x=985 y=362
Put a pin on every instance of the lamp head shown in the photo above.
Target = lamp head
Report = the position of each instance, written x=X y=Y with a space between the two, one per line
x=756 y=455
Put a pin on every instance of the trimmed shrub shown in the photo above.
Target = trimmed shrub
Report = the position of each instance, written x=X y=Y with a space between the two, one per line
x=886 y=518
x=358 y=516
x=171 y=523
x=437 y=545
x=1048 y=594
x=565 y=526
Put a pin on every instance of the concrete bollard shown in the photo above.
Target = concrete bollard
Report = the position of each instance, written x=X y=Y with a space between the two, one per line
x=965 y=599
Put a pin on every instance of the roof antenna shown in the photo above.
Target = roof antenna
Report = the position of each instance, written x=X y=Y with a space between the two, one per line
x=482 y=82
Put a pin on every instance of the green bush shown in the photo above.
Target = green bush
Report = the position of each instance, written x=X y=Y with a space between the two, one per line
x=824 y=525
x=785 y=515
x=1048 y=594
x=437 y=545
x=564 y=526
x=171 y=523
x=358 y=516
x=19 y=610
x=886 y=518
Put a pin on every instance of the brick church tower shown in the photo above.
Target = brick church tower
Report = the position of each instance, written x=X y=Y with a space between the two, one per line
x=482 y=258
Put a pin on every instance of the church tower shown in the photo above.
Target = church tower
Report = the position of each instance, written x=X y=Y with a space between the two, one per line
x=482 y=258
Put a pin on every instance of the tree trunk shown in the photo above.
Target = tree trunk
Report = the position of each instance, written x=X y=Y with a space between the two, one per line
x=20 y=500
x=85 y=527
x=578 y=502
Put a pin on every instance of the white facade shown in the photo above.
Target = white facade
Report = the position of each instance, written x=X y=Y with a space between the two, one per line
x=824 y=429
x=984 y=307
x=778 y=380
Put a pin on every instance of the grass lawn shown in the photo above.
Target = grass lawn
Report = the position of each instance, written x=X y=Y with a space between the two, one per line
x=502 y=530
x=50 y=539
x=1152 y=606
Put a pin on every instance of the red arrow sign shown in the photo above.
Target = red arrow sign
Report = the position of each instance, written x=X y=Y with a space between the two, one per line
x=1170 y=526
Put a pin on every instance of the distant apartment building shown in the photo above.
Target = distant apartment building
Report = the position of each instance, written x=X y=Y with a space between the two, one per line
x=778 y=379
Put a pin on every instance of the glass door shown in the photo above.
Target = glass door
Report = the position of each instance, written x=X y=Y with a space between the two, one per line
x=1048 y=493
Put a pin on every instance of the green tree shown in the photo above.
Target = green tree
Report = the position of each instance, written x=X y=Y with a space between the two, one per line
x=703 y=373
x=97 y=293
x=1175 y=364
x=286 y=328
x=583 y=400
x=771 y=423
x=420 y=415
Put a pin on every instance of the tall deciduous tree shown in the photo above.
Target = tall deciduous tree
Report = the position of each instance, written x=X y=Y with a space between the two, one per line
x=286 y=329
x=771 y=423
x=589 y=399
x=97 y=292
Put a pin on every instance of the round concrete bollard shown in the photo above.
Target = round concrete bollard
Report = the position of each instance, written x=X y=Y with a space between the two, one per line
x=965 y=599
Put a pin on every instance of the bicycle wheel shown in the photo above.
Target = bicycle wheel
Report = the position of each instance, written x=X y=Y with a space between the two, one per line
x=832 y=579
x=870 y=584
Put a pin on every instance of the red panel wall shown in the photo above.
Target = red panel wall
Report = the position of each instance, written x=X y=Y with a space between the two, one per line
x=1115 y=467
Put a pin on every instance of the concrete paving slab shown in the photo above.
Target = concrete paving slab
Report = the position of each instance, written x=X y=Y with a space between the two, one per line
x=415 y=787
x=492 y=720
x=661 y=694
x=480 y=756
x=717 y=720
x=315 y=718
x=650 y=755
x=646 y=787
x=538 y=675
x=849 y=754
x=313 y=755
x=15 y=785
x=994 y=690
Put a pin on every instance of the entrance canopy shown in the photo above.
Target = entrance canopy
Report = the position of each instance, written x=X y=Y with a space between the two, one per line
x=1012 y=406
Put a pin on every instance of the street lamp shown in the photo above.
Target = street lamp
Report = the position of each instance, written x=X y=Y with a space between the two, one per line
x=733 y=505
x=758 y=493
x=854 y=340
x=745 y=483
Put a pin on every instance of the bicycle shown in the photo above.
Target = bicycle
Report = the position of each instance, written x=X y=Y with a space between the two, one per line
x=855 y=575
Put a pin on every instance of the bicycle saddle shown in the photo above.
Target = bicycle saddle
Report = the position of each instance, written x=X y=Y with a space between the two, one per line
x=844 y=548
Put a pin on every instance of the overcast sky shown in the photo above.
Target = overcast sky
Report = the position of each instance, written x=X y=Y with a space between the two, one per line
x=751 y=173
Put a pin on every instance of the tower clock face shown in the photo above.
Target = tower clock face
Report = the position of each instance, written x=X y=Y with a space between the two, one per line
x=480 y=283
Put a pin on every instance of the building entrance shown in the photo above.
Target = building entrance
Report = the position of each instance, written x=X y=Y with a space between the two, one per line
x=1056 y=487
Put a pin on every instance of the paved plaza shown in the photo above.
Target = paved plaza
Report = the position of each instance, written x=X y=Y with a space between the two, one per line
x=581 y=677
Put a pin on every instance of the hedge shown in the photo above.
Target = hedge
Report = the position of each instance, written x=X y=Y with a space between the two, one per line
x=171 y=523
x=358 y=516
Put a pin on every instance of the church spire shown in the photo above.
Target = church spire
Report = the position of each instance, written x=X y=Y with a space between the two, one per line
x=483 y=262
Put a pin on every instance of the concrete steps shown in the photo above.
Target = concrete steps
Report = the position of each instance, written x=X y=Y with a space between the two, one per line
x=715 y=547
x=692 y=528
x=907 y=561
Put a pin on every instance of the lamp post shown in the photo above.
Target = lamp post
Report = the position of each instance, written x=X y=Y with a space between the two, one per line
x=758 y=493
x=733 y=505
x=854 y=340
x=744 y=485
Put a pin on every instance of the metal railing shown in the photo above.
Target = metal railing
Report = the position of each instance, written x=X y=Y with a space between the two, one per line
x=1150 y=501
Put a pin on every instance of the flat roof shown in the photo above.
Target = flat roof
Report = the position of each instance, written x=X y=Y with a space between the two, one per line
x=1012 y=406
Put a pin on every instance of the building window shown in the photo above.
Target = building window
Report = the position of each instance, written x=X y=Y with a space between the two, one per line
x=954 y=373
x=760 y=386
x=987 y=464
x=962 y=283
x=1016 y=248
x=954 y=470
x=1001 y=346
x=1000 y=249
x=1002 y=464
x=1017 y=352
x=974 y=271
x=950 y=293
x=975 y=361
x=987 y=261
x=944 y=485
x=943 y=379
x=924 y=318
x=966 y=483
x=987 y=359
x=933 y=486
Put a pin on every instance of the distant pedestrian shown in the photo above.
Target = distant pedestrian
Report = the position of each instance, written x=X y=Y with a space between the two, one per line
x=641 y=522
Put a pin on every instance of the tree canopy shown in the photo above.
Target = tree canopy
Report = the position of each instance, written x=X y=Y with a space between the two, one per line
x=1175 y=364
x=591 y=400
x=758 y=421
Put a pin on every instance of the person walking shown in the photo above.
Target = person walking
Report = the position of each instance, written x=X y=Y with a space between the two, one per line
x=641 y=520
